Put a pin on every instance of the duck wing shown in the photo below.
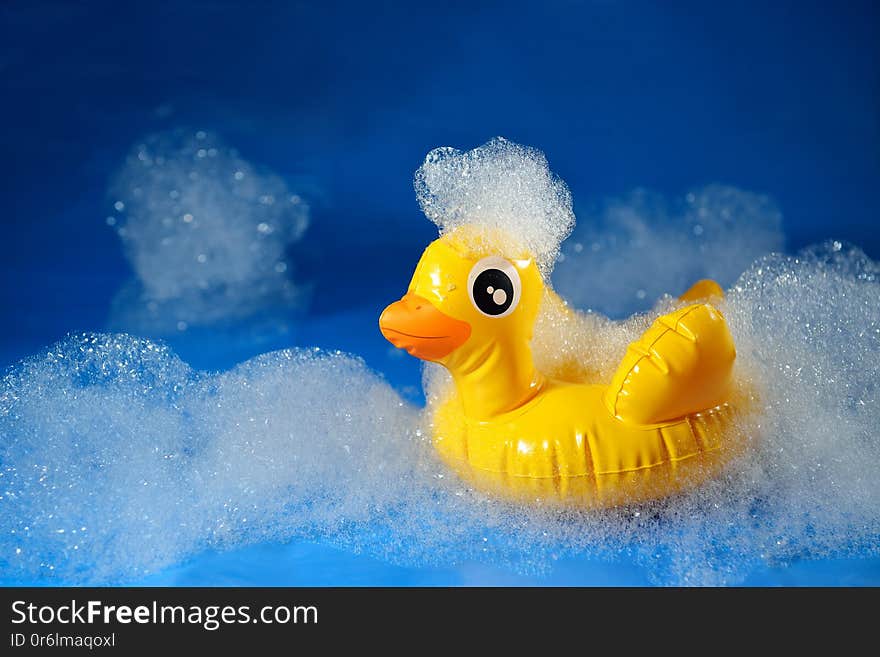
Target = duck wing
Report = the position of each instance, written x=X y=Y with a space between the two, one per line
x=681 y=365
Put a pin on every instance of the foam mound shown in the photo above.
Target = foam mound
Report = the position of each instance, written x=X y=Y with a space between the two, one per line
x=501 y=186
x=205 y=231
x=634 y=250
x=118 y=459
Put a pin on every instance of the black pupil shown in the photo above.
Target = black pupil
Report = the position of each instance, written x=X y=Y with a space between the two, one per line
x=493 y=291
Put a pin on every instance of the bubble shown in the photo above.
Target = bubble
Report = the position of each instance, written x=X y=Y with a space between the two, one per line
x=500 y=185
x=192 y=207
x=807 y=329
x=646 y=242
x=115 y=433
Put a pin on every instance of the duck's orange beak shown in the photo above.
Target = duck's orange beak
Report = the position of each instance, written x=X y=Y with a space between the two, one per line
x=415 y=324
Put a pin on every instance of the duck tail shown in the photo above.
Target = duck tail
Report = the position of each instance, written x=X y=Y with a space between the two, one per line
x=703 y=290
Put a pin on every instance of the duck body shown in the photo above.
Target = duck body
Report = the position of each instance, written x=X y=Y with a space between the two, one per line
x=565 y=446
x=660 y=425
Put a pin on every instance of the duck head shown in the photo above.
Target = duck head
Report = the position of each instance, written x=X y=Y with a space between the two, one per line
x=471 y=306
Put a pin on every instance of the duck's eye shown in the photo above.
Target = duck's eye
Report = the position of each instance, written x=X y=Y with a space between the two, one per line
x=494 y=286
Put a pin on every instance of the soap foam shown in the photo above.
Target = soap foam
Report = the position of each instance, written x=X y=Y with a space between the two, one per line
x=205 y=233
x=501 y=186
x=631 y=251
x=119 y=459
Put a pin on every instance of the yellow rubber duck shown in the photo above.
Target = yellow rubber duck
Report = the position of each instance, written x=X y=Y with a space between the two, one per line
x=657 y=427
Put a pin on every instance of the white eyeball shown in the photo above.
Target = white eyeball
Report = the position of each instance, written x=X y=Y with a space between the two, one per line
x=494 y=286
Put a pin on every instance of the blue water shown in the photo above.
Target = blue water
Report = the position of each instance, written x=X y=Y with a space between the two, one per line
x=345 y=101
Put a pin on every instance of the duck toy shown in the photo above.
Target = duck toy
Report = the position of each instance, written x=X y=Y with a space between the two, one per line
x=659 y=426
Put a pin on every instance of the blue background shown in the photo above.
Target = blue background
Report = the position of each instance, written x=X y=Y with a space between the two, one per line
x=345 y=100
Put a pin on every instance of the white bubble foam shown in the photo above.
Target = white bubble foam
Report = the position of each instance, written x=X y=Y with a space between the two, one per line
x=205 y=232
x=642 y=247
x=807 y=329
x=142 y=461
x=118 y=459
x=500 y=185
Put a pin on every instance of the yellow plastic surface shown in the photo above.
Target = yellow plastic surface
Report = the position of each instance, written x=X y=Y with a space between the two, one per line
x=703 y=290
x=657 y=427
